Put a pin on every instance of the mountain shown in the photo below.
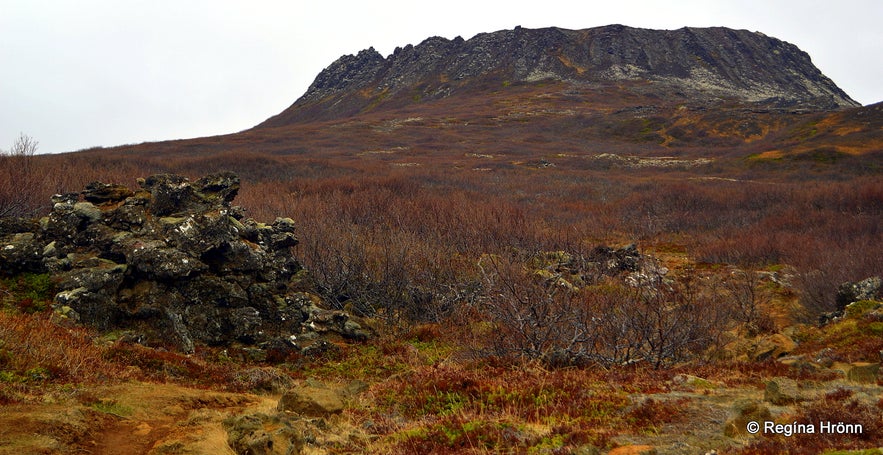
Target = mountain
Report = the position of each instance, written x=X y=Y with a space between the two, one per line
x=688 y=65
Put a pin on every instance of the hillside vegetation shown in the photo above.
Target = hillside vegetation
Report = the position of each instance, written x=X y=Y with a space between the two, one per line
x=543 y=266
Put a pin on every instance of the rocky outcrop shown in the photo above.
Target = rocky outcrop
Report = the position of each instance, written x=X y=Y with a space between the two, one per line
x=174 y=263
x=262 y=434
x=311 y=401
x=307 y=420
x=849 y=293
x=867 y=289
x=693 y=64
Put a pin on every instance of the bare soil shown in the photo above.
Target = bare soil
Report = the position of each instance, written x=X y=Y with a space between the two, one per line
x=131 y=418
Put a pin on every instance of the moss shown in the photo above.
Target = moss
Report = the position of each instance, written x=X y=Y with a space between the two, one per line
x=702 y=384
x=857 y=309
x=362 y=361
x=31 y=376
x=875 y=328
x=548 y=444
x=29 y=292
x=444 y=403
x=113 y=407
x=433 y=351
x=411 y=433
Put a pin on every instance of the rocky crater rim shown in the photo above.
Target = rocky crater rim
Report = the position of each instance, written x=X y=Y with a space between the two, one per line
x=705 y=64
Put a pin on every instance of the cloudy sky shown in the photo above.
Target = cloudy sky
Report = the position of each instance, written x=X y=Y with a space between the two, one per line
x=77 y=74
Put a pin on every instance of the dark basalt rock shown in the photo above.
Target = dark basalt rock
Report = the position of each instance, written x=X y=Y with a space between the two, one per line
x=103 y=193
x=173 y=262
x=867 y=289
x=694 y=64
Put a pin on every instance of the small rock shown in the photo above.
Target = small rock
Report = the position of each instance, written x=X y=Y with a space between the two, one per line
x=782 y=391
x=261 y=434
x=772 y=347
x=246 y=323
x=87 y=211
x=170 y=194
x=222 y=186
x=694 y=382
x=311 y=401
x=355 y=387
x=184 y=339
x=143 y=429
x=264 y=379
x=101 y=193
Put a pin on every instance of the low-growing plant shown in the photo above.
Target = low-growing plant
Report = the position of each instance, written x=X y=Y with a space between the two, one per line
x=650 y=319
x=848 y=340
x=158 y=364
x=112 y=407
x=650 y=414
x=837 y=408
x=28 y=292
x=35 y=348
x=457 y=406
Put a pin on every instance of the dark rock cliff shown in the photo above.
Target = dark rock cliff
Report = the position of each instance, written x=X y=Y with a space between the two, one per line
x=699 y=64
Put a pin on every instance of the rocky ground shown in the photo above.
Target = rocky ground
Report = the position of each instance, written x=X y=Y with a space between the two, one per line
x=315 y=417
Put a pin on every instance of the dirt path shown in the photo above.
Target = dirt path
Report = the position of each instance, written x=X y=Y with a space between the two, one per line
x=129 y=437
x=132 y=418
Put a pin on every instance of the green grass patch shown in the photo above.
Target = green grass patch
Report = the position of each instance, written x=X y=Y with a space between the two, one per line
x=857 y=309
x=34 y=375
x=112 y=407
x=367 y=362
x=28 y=292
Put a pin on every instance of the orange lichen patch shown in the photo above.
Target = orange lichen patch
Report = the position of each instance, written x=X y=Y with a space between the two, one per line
x=566 y=61
x=770 y=155
x=855 y=150
x=764 y=131
x=844 y=130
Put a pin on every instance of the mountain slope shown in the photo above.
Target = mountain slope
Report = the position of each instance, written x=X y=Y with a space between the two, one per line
x=685 y=65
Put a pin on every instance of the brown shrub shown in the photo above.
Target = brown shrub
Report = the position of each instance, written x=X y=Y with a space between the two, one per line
x=161 y=365
x=836 y=407
x=655 y=322
x=33 y=347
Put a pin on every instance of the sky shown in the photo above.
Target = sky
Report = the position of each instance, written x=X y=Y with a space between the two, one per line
x=87 y=73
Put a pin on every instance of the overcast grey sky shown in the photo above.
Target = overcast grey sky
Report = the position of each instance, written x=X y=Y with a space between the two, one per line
x=77 y=74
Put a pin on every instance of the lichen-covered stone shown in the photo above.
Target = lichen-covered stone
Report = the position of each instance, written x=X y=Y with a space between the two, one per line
x=262 y=434
x=102 y=193
x=311 y=401
x=782 y=391
x=173 y=262
x=867 y=289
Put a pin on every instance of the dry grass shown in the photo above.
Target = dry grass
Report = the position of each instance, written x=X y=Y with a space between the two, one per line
x=35 y=352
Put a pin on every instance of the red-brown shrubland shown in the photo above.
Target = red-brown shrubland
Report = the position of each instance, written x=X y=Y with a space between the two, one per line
x=406 y=241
